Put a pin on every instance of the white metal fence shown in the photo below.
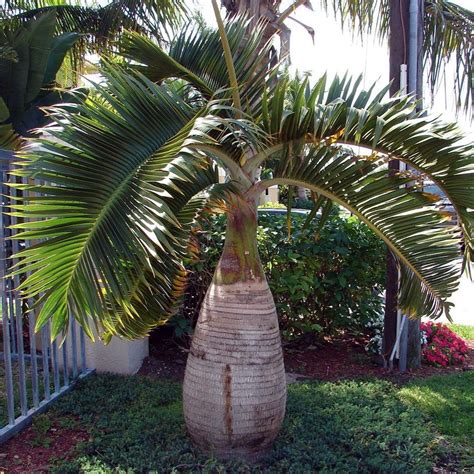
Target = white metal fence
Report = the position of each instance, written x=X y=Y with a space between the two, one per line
x=33 y=370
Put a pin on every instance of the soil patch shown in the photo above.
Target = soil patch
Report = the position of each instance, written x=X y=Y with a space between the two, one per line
x=167 y=358
x=333 y=360
x=41 y=444
x=347 y=359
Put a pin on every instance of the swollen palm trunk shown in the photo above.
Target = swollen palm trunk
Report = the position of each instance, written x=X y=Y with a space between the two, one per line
x=234 y=385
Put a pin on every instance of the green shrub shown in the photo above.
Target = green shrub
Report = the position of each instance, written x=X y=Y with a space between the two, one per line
x=299 y=203
x=272 y=205
x=137 y=425
x=327 y=281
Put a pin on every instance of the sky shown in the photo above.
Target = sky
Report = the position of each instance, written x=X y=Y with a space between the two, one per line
x=336 y=52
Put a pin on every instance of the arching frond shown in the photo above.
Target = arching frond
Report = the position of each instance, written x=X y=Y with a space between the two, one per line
x=113 y=212
x=343 y=113
x=403 y=217
x=195 y=55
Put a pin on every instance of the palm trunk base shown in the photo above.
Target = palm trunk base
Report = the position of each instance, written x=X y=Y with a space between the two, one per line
x=234 y=387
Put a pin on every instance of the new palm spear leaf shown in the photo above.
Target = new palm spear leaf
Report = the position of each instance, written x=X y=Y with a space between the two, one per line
x=130 y=169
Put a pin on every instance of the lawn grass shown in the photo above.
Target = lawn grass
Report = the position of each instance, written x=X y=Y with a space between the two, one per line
x=136 y=425
x=466 y=332
x=448 y=402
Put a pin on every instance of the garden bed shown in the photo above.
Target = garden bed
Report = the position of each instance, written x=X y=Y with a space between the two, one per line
x=332 y=360
x=347 y=359
x=353 y=416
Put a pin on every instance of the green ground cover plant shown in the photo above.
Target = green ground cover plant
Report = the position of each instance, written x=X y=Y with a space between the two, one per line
x=448 y=402
x=347 y=426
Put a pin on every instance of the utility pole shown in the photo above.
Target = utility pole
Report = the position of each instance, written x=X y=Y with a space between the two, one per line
x=405 y=44
x=398 y=47
x=415 y=86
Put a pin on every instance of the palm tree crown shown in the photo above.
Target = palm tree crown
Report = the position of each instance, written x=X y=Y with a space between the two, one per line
x=128 y=170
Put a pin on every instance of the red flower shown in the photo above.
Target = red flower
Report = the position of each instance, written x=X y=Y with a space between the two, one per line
x=443 y=347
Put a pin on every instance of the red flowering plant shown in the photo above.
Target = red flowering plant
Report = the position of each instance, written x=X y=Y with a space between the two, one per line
x=441 y=346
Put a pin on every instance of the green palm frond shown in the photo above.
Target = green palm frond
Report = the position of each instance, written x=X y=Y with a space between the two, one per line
x=158 y=291
x=345 y=114
x=103 y=23
x=192 y=56
x=100 y=27
x=21 y=81
x=362 y=16
x=338 y=114
x=111 y=234
x=449 y=32
x=29 y=83
x=404 y=218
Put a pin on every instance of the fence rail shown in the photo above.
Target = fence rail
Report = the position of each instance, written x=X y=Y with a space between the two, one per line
x=34 y=371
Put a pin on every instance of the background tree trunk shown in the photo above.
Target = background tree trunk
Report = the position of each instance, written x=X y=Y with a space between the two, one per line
x=399 y=54
x=234 y=387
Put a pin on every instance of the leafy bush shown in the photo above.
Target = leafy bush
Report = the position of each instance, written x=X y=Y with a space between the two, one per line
x=442 y=347
x=136 y=425
x=299 y=203
x=325 y=281
x=272 y=205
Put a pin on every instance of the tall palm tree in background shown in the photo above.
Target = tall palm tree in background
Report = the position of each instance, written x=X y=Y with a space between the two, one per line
x=132 y=168
x=448 y=31
x=41 y=38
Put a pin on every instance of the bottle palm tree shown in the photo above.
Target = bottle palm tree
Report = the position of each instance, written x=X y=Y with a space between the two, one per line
x=129 y=171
